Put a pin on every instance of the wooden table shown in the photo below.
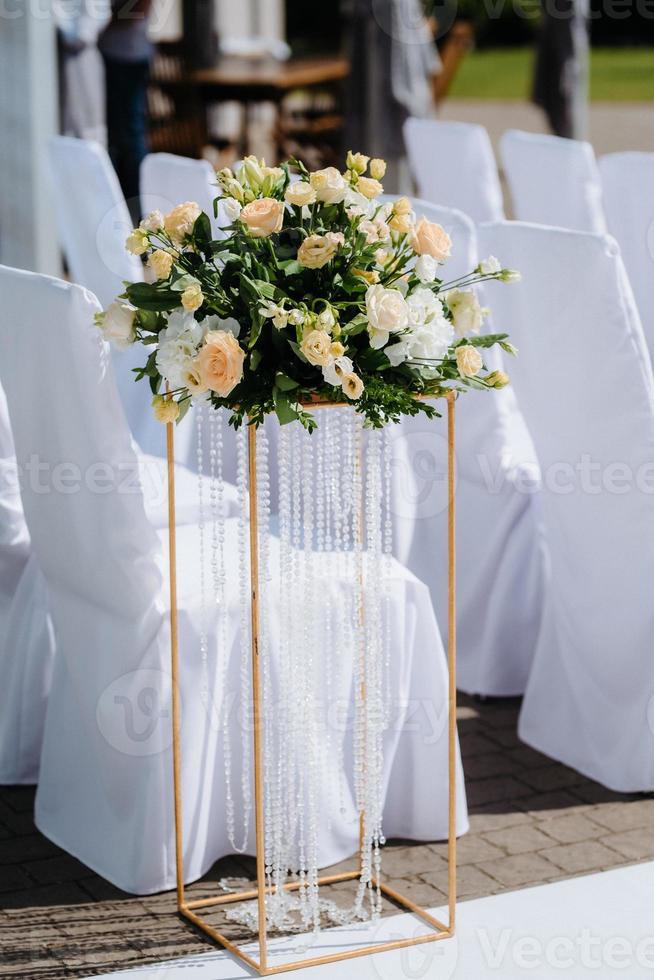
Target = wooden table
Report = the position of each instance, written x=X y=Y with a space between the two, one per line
x=251 y=81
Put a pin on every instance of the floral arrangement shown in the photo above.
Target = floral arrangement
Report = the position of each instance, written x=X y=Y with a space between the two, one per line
x=317 y=290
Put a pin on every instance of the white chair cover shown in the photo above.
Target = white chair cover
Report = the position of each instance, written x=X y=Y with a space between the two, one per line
x=627 y=182
x=168 y=180
x=26 y=642
x=94 y=223
x=584 y=382
x=552 y=180
x=499 y=553
x=105 y=790
x=454 y=165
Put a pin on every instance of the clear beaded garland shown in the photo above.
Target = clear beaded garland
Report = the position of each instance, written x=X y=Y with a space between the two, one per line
x=324 y=607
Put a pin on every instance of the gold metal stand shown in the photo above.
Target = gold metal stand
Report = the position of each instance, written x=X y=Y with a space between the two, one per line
x=190 y=909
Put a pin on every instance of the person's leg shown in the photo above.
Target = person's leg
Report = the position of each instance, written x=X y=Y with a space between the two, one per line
x=135 y=146
x=126 y=87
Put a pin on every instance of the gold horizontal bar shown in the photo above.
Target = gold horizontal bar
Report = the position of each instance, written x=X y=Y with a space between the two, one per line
x=199 y=903
x=324 y=404
x=219 y=938
x=411 y=906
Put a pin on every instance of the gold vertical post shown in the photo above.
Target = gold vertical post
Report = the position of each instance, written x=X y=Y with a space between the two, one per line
x=174 y=666
x=451 y=658
x=256 y=697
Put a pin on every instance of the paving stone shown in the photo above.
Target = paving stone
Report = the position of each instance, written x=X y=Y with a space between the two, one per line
x=61 y=868
x=419 y=891
x=474 y=744
x=573 y=828
x=41 y=895
x=636 y=844
x=31 y=848
x=399 y=862
x=483 y=819
x=625 y=816
x=590 y=792
x=487 y=765
x=472 y=849
x=543 y=805
x=590 y=855
x=489 y=790
x=521 y=869
x=518 y=840
x=551 y=778
x=20 y=798
x=13 y=879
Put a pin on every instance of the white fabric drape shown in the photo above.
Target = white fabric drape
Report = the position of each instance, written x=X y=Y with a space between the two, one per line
x=553 y=180
x=584 y=382
x=501 y=573
x=26 y=642
x=454 y=166
x=105 y=791
x=168 y=180
x=627 y=180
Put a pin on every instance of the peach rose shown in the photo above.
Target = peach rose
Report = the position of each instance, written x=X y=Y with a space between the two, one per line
x=369 y=187
x=161 y=263
x=316 y=250
x=469 y=361
x=263 y=217
x=428 y=238
x=220 y=362
x=179 y=223
x=192 y=297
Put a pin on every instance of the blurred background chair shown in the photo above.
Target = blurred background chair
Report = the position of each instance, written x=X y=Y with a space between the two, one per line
x=454 y=166
x=168 y=180
x=26 y=640
x=584 y=382
x=627 y=188
x=501 y=573
x=93 y=223
x=553 y=181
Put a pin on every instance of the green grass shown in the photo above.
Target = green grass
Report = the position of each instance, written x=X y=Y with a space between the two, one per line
x=616 y=75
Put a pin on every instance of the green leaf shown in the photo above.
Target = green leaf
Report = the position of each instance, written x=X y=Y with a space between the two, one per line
x=284 y=383
x=285 y=411
x=291 y=267
x=202 y=229
x=184 y=405
x=255 y=359
x=146 y=296
x=373 y=360
x=484 y=340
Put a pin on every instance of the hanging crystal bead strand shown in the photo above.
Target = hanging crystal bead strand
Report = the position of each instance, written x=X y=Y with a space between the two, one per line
x=244 y=655
x=200 y=417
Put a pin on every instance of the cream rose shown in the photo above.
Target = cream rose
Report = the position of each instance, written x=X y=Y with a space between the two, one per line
x=329 y=185
x=192 y=297
x=137 y=241
x=402 y=223
x=316 y=347
x=369 y=187
x=352 y=386
x=387 y=312
x=165 y=409
x=468 y=361
x=299 y=194
x=179 y=223
x=220 y=362
x=161 y=263
x=263 y=217
x=377 y=168
x=316 y=251
x=153 y=221
x=428 y=238
x=117 y=324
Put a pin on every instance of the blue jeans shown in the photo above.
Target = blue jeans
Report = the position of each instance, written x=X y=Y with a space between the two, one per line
x=126 y=97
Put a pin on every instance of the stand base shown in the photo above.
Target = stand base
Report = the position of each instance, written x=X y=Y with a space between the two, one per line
x=187 y=910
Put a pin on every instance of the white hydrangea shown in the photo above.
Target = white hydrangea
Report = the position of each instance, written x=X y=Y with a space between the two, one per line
x=430 y=334
x=178 y=345
x=426 y=268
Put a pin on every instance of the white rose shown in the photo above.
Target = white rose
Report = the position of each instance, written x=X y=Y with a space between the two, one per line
x=426 y=268
x=174 y=360
x=334 y=371
x=490 y=265
x=468 y=315
x=329 y=185
x=232 y=209
x=387 y=312
x=117 y=324
x=423 y=305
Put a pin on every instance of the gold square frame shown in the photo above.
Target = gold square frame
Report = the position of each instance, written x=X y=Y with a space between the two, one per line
x=190 y=910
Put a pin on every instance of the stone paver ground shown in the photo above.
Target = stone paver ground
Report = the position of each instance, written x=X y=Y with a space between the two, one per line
x=532 y=821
